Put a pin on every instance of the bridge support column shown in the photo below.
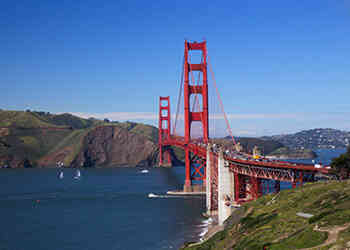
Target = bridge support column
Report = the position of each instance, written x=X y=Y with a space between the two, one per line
x=255 y=188
x=225 y=190
x=164 y=153
x=208 y=181
x=237 y=187
x=164 y=131
x=188 y=183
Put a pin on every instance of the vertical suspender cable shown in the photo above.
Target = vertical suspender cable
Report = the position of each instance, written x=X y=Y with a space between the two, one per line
x=220 y=101
x=180 y=95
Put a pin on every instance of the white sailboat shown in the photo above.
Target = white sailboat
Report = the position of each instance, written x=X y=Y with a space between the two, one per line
x=77 y=175
x=60 y=175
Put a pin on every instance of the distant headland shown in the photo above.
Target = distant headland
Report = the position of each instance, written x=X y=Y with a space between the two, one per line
x=41 y=139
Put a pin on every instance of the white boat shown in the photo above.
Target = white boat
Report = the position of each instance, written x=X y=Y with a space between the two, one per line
x=151 y=195
x=77 y=175
x=144 y=171
x=60 y=175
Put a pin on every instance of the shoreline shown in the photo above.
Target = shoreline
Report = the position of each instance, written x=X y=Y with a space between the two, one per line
x=213 y=228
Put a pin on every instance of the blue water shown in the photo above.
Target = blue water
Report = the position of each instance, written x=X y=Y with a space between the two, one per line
x=105 y=209
x=324 y=156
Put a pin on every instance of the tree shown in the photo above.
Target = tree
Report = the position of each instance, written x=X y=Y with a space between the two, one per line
x=106 y=120
x=341 y=164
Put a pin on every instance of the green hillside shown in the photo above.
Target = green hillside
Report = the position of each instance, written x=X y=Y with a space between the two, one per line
x=43 y=138
x=248 y=143
x=30 y=143
x=36 y=119
x=74 y=141
x=22 y=119
x=66 y=119
x=31 y=135
x=149 y=131
x=285 y=152
x=272 y=220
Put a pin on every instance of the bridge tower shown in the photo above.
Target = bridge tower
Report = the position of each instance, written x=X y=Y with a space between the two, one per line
x=164 y=131
x=195 y=171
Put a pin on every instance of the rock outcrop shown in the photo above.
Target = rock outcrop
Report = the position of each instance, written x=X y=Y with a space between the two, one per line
x=115 y=146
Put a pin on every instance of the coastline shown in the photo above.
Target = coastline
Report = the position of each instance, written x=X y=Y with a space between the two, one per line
x=213 y=228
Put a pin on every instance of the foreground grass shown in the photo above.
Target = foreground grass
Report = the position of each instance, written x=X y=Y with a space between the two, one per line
x=271 y=221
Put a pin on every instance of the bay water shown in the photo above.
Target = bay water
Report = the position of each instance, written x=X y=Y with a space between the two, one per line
x=104 y=209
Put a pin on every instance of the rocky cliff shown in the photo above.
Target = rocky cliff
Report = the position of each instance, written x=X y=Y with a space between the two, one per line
x=115 y=146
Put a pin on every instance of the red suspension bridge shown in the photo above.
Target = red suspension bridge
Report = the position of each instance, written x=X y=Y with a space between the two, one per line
x=249 y=177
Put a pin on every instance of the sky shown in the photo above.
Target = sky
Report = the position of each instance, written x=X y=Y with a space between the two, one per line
x=280 y=66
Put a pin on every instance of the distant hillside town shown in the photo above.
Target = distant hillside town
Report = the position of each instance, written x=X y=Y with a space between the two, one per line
x=314 y=139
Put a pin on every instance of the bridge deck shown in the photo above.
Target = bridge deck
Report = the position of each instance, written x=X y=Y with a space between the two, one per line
x=240 y=159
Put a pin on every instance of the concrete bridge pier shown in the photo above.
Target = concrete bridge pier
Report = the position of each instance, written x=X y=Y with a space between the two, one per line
x=226 y=189
x=208 y=181
x=220 y=188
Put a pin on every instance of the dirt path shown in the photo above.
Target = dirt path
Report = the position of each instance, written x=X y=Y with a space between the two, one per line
x=332 y=235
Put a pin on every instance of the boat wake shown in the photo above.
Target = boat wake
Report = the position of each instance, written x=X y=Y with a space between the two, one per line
x=152 y=195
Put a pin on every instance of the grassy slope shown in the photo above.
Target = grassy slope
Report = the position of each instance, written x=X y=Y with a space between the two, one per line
x=26 y=139
x=276 y=225
x=146 y=130
x=266 y=146
x=22 y=119
x=31 y=143
x=285 y=151
x=66 y=120
x=75 y=139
